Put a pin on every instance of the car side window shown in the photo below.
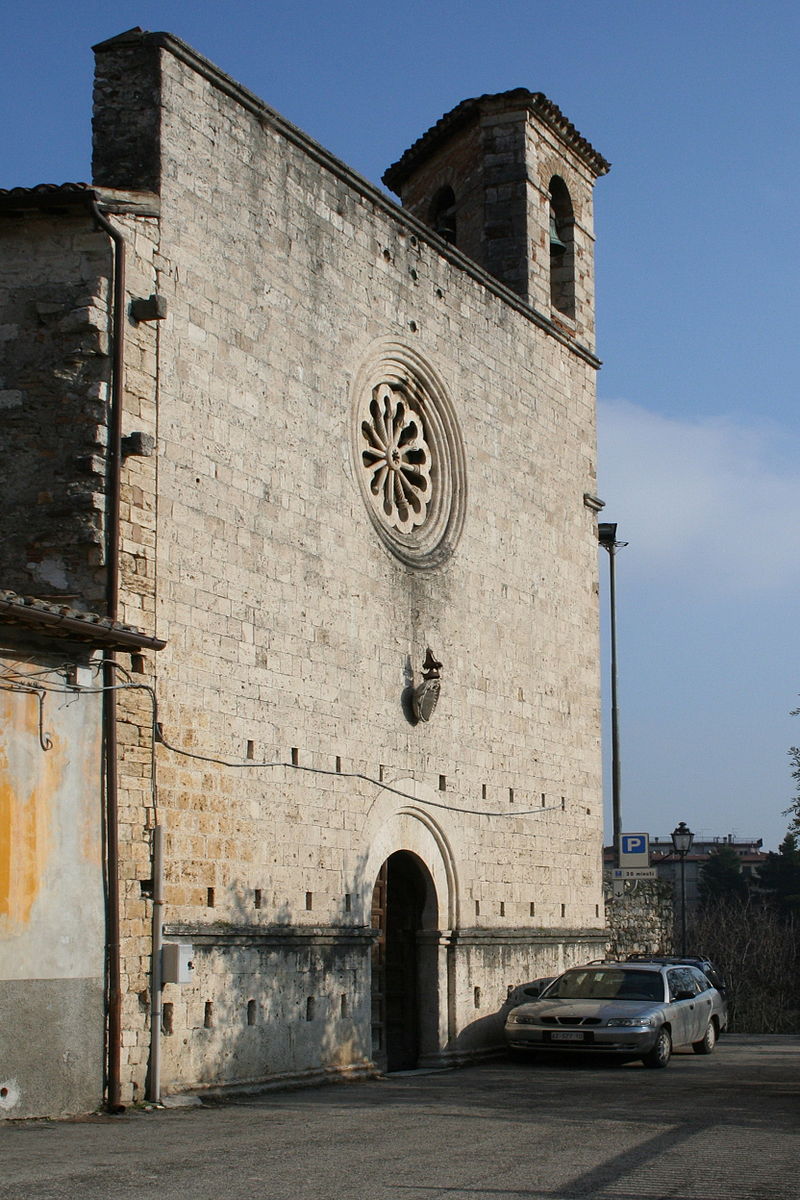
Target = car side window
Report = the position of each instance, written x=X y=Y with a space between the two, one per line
x=700 y=981
x=680 y=980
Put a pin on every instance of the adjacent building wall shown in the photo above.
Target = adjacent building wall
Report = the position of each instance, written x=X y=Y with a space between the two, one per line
x=54 y=340
x=52 y=920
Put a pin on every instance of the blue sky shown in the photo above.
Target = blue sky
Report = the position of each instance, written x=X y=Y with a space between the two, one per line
x=696 y=105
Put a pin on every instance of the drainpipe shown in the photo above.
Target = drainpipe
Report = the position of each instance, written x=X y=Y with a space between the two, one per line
x=154 y=1078
x=114 y=967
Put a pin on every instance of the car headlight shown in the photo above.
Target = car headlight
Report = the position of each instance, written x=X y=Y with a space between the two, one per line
x=627 y=1022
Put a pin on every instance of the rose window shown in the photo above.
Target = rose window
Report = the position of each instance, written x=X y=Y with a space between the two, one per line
x=408 y=455
x=396 y=459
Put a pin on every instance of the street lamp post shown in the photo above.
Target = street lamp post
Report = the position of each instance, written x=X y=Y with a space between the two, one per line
x=682 y=838
x=607 y=536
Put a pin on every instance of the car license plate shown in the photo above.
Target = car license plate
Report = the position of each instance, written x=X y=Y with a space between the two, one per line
x=571 y=1036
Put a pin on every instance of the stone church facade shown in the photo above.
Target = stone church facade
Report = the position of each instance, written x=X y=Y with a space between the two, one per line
x=338 y=456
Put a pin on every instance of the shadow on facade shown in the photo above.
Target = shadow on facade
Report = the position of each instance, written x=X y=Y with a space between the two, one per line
x=280 y=998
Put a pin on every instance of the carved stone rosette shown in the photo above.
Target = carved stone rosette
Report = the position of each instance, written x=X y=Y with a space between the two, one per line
x=396 y=458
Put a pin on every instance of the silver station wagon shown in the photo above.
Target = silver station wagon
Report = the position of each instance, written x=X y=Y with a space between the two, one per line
x=624 y=1009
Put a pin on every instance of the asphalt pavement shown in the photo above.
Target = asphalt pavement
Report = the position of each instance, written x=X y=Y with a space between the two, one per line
x=723 y=1127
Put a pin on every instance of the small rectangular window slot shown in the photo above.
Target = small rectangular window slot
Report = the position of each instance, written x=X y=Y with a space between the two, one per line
x=563 y=910
x=137 y=664
x=208 y=1015
x=442 y=783
x=343 y=1010
x=533 y=909
x=310 y=1005
x=166 y=1019
x=338 y=765
x=251 y=1012
x=209 y=897
x=543 y=799
x=511 y=795
x=483 y=791
x=502 y=908
x=295 y=756
x=309 y=901
x=348 y=903
x=251 y=750
x=476 y=997
x=597 y=910
x=477 y=908
x=563 y=804
x=257 y=898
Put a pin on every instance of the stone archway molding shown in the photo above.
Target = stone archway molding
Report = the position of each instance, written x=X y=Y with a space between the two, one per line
x=393 y=824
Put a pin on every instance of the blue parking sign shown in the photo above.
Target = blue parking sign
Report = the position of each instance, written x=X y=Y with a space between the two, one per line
x=634 y=850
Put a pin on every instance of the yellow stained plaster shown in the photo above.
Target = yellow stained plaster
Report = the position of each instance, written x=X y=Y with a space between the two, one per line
x=26 y=814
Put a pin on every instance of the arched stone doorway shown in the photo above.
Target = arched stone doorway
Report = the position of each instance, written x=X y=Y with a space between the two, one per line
x=403 y=981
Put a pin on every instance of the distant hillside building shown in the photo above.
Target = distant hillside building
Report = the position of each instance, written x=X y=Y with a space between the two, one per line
x=668 y=864
x=337 y=457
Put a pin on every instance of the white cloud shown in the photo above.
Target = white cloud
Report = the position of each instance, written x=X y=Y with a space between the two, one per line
x=708 y=504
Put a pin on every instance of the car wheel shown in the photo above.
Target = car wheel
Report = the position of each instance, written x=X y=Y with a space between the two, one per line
x=708 y=1041
x=659 y=1056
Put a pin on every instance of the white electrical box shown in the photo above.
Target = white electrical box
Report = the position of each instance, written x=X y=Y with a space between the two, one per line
x=80 y=677
x=176 y=963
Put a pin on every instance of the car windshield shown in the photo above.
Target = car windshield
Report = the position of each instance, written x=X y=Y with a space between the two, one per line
x=607 y=983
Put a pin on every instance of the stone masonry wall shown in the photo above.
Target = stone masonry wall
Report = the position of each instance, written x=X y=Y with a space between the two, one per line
x=293 y=632
x=640 y=918
x=54 y=371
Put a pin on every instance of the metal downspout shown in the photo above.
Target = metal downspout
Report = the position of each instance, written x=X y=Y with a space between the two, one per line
x=114 y=965
x=156 y=985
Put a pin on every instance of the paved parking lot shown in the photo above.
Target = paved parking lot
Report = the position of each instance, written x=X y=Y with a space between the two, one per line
x=725 y=1127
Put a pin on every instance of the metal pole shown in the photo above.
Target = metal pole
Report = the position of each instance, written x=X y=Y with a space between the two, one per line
x=683 y=905
x=607 y=536
x=616 y=800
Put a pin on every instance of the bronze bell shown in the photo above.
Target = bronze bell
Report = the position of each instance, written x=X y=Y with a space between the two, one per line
x=557 y=247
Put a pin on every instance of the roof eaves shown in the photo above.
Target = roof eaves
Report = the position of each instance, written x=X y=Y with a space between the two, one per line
x=52 y=197
x=62 y=621
x=470 y=109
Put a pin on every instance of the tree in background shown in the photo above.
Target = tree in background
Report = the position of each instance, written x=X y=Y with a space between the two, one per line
x=753 y=936
x=758 y=952
x=779 y=876
x=721 y=877
x=793 y=810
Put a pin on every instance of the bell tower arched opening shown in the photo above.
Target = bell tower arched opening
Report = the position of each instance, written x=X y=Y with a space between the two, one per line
x=562 y=248
x=442 y=216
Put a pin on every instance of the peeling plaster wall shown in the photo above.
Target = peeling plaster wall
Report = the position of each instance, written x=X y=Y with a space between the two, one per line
x=51 y=894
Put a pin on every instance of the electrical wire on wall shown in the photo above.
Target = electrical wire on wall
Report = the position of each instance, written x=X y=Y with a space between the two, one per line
x=8 y=682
